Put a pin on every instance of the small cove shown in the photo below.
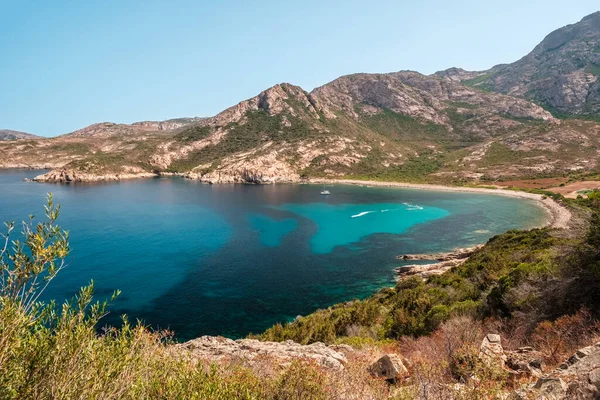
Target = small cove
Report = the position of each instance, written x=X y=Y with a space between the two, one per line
x=234 y=259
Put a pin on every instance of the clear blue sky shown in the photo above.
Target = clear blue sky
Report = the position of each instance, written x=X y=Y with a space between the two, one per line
x=68 y=64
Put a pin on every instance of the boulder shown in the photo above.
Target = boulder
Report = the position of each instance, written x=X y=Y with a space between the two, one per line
x=390 y=367
x=491 y=350
x=551 y=388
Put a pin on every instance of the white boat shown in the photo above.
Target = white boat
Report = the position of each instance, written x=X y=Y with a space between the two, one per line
x=325 y=192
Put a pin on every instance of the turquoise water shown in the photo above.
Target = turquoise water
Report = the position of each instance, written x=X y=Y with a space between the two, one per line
x=233 y=259
x=345 y=224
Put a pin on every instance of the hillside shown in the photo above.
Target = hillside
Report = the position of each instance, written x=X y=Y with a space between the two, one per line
x=561 y=73
x=6 y=134
x=451 y=127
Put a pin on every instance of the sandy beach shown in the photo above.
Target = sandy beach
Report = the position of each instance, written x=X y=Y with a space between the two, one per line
x=558 y=215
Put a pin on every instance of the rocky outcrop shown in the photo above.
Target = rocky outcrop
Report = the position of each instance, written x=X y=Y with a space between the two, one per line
x=525 y=362
x=389 y=367
x=211 y=348
x=108 y=129
x=168 y=125
x=71 y=176
x=578 y=378
x=561 y=72
x=445 y=261
x=427 y=98
x=491 y=351
x=456 y=254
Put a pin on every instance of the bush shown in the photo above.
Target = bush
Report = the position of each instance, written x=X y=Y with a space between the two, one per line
x=49 y=351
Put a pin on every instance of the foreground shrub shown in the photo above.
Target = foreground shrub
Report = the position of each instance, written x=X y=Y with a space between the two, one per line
x=560 y=338
x=49 y=351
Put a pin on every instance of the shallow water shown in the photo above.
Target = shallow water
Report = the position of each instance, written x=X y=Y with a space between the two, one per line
x=233 y=259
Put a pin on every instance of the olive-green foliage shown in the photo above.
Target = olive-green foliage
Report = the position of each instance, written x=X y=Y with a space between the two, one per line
x=403 y=127
x=414 y=169
x=193 y=133
x=137 y=154
x=258 y=128
x=593 y=69
x=479 y=82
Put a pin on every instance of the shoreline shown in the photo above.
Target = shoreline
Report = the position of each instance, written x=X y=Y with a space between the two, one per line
x=559 y=216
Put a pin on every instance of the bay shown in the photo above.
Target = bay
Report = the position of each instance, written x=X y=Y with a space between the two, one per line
x=233 y=259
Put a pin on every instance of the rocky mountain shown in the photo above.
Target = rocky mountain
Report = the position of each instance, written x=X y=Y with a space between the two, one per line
x=452 y=126
x=562 y=73
x=106 y=129
x=6 y=134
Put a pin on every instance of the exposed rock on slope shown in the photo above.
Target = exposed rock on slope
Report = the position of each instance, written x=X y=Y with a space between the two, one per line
x=249 y=350
x=424 y=97
x=561 y=73
x=7 y=134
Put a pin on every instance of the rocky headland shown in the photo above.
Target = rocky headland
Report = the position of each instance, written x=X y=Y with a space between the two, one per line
x=443 y=262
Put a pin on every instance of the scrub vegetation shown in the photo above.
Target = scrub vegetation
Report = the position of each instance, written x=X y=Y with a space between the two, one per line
x=539 y=287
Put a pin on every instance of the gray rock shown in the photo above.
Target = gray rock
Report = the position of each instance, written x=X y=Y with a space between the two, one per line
x=594 y=377
x=525 y=361
x=491 y=350
x=389 y=367
x=213 y=348
x=551 y=388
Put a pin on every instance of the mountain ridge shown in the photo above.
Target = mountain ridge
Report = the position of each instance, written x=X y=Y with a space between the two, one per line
x=449 y=127
x=560 y=73
x=7 y=134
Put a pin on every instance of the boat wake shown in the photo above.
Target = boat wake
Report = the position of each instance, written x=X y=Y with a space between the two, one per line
x=362 y=213
x=411 y=207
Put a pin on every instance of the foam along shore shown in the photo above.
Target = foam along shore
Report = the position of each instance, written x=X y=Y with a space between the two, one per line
x=559 y=215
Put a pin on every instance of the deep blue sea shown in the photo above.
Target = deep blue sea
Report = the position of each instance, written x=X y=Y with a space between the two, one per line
x=233 y=259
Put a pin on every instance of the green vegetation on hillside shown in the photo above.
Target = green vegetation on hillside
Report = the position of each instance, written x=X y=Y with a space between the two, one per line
x=257 y=129
x=479 y=82
x=593 y=69
x=403 y=128
x=193 y=134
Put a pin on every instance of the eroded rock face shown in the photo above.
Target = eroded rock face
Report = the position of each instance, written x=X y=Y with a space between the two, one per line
x=561 y=72
x=213 y=348
x=550 y=388
x=582 y=374
x=426 y=98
